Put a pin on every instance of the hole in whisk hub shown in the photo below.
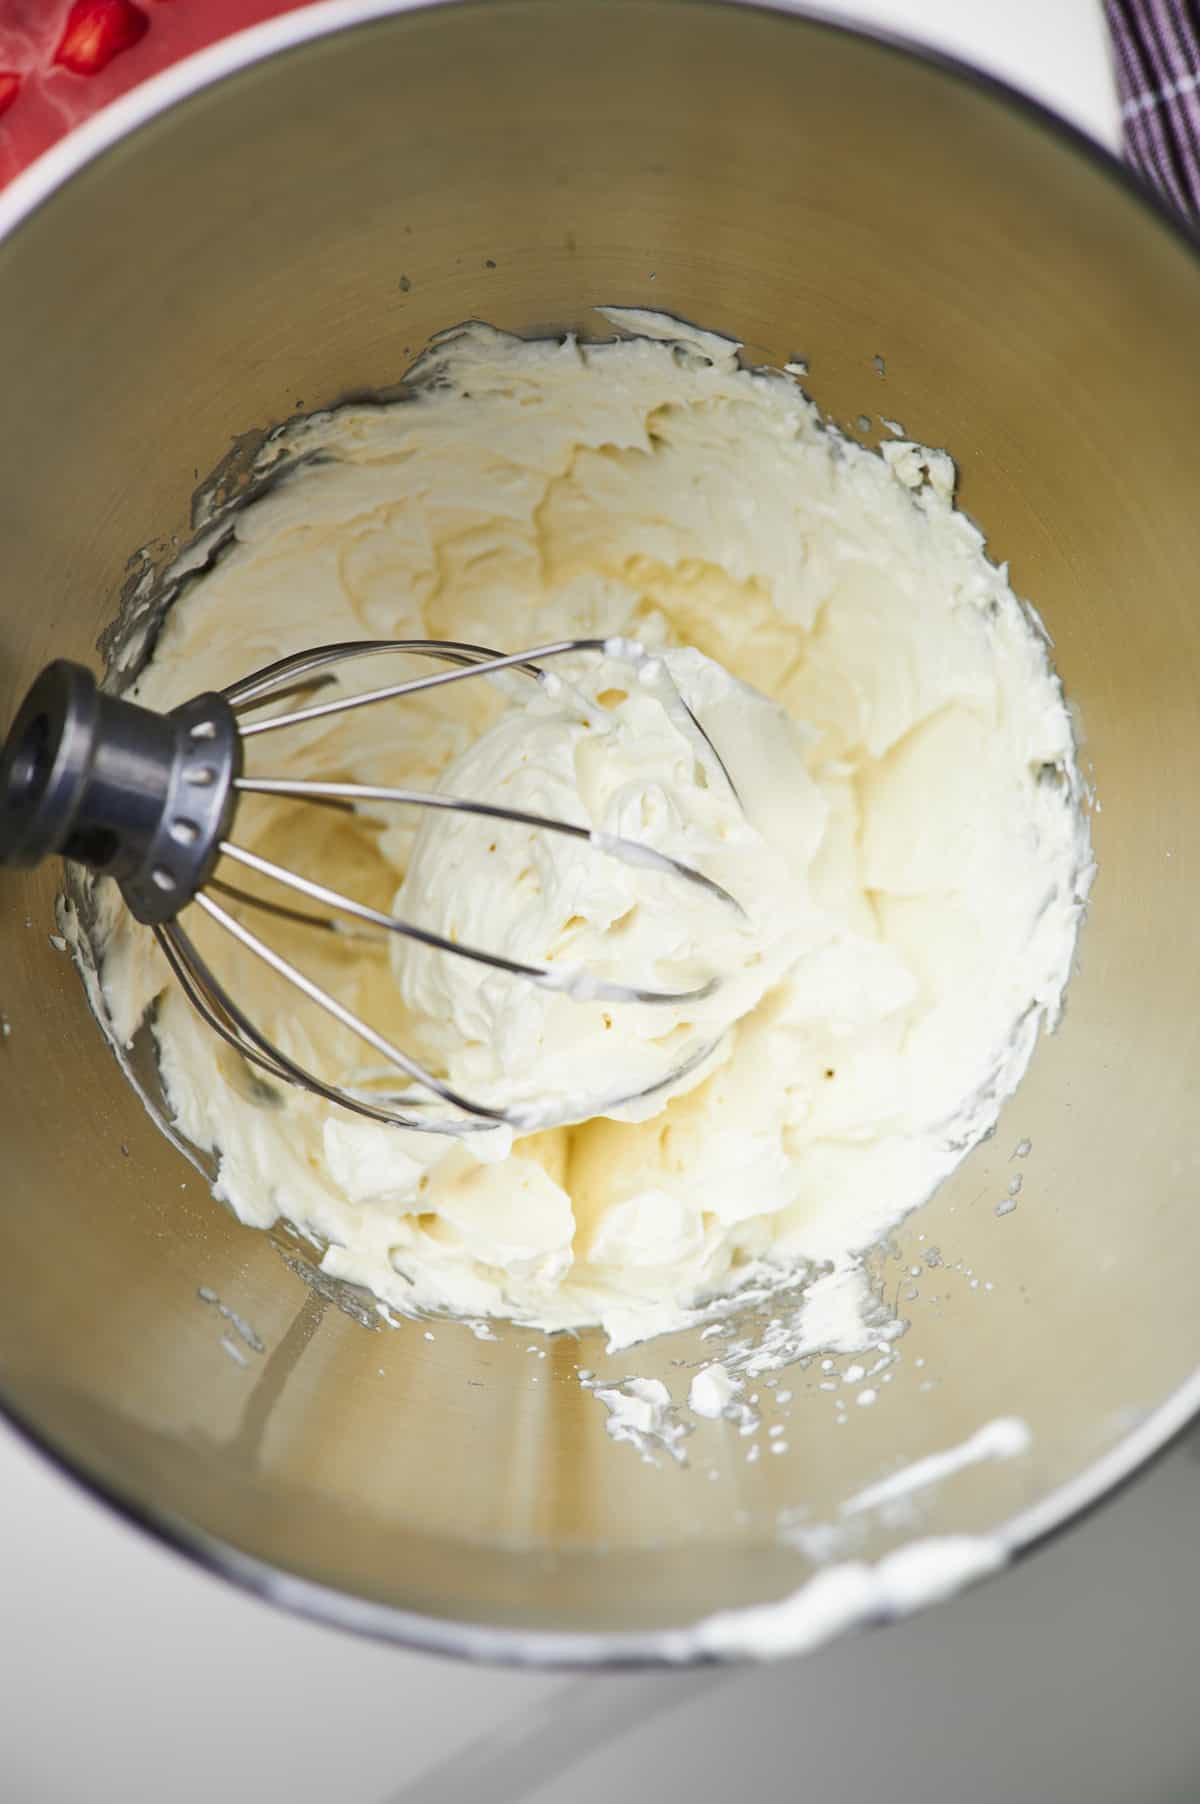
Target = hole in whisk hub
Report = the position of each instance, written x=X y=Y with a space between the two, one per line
x=30 y=764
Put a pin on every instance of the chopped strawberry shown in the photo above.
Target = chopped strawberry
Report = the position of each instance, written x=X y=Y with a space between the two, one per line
x=10 y=87
x=98 y=30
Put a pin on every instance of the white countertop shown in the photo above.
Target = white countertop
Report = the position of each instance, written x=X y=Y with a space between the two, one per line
x=132 y=1678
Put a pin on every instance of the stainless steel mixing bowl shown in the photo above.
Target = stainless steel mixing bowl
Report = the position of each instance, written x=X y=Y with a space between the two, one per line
x=283 y=221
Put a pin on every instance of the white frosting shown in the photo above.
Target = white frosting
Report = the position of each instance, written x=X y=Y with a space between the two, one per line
x=848 y=1596
x=614 y=752
x=912 y=856
x=1004 y=1438
x=711 y=1392
x=640 y=1412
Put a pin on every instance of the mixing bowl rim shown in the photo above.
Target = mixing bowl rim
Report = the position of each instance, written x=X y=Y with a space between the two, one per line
x=1027 y=1531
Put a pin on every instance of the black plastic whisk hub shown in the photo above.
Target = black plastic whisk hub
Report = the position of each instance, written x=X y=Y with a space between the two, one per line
x=141 y=797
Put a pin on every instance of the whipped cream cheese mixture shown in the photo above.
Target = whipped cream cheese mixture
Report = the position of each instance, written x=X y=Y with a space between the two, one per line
x=898 y=814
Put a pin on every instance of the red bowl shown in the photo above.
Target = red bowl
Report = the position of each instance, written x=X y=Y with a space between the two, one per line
x=61 y=60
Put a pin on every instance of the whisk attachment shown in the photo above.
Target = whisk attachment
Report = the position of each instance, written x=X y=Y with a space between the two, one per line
x=151 y=800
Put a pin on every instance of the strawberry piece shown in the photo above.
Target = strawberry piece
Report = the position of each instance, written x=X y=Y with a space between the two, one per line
x=98 y=30
x=10 y=87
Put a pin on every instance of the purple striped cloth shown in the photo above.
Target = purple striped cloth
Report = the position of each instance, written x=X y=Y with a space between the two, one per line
x=1157 y=44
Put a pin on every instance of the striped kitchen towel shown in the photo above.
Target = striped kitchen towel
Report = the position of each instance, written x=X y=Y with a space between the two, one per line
x=1157 y=44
